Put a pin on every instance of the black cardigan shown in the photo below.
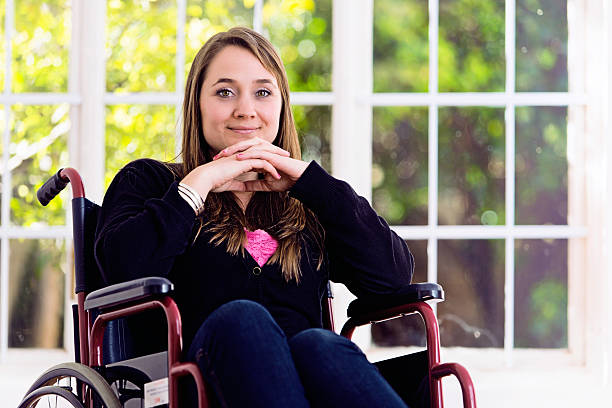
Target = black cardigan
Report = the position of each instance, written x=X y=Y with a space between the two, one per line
x=147 y=229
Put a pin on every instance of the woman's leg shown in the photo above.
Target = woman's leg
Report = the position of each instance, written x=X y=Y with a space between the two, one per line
x=244 y=356
x=336 y=373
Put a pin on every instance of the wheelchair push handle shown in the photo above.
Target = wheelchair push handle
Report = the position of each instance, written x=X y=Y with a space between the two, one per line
x=58 y=182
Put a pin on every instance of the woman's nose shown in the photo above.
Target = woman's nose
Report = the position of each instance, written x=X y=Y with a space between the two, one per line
x=244 y=108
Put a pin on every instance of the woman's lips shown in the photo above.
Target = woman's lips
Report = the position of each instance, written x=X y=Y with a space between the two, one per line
x=243 y=130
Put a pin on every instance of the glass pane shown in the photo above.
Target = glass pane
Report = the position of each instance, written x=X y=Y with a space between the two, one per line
x=36 y=293
x=141 y=45
x=541 y=45
x=471 y=166
x=471 y=46
x=472 y=275
x=541 y=165
x=401 y=46
x=39 y=148
x=138 y=131
x=41 y=45
x=408 y=330
x=313 y=124
x=301 y=31
x=206 y=18
x=540 y=293
x=399 y=164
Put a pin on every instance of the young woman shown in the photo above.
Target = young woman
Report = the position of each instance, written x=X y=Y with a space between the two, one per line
x=250 y=235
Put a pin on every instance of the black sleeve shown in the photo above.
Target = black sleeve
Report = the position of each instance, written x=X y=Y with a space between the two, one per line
x=144 y=223
x=364 y=253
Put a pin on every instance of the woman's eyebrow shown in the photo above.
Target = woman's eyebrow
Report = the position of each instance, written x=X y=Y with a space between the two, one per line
x=231 y=81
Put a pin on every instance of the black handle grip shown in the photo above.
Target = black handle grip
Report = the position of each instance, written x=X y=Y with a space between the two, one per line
x=51 y=188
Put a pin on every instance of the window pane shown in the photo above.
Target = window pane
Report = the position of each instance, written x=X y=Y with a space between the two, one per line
x=401 y=46
x=39 y=148
x=313 y=124
x=40 y=46
x=471 y=166
x=408 y=330
x=541 y=165
x=141 y=46
x=206 y=18
x=471 y=46
x=137 y=131
x=36 y=293
x=541 y=45
x=472 y=275
x=301 y=31
x=540 y=293
x=399 y=168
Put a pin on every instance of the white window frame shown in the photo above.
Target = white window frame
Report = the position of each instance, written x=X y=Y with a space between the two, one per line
x=352 y=100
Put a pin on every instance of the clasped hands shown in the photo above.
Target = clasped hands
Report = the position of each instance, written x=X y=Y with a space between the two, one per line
x=230 y=169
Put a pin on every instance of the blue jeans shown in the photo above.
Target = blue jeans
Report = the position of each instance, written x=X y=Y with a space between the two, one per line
x=247 y=360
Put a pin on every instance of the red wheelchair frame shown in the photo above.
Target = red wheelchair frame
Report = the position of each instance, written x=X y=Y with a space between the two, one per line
x=130 y=298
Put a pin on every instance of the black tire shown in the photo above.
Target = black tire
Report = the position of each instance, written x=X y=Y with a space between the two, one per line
x=95 y=383
x=126 y=382
x=48 y=390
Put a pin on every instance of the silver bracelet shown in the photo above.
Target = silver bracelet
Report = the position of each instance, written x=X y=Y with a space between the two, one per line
x=192 y=197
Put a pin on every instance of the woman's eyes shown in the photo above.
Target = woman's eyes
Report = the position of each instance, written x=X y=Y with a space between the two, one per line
x=262 y=92
x=226 y=93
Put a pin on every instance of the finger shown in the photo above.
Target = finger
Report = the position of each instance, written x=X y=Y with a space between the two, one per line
x=259 y=164
x=249 y=144
x=280 y=163
x=232 y=185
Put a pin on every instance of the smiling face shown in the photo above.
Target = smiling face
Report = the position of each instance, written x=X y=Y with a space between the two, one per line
x=239 y=99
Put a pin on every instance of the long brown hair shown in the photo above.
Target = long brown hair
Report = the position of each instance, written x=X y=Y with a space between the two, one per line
x=283 y=217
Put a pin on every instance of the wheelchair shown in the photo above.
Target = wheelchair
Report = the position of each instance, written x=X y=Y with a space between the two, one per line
x=104 y=374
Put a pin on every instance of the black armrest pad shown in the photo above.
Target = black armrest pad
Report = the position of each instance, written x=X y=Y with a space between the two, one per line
x=416 y=292
x=130 y=291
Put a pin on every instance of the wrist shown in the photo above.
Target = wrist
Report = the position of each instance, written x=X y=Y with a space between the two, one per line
x=192 y=197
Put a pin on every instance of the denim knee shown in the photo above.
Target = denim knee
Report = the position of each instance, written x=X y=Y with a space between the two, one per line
x=319 y=342
x=239 y=317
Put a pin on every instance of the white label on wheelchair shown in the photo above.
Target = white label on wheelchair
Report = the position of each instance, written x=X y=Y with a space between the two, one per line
x=156 y=393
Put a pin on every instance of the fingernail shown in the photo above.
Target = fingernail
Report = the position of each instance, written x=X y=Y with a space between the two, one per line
x=239 y=156
x=278 y=176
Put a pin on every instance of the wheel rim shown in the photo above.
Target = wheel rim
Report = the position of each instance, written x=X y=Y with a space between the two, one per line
x=33 y=398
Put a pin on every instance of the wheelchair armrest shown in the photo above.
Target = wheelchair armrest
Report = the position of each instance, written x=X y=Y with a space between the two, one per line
x=413 y=293
x=127 y=292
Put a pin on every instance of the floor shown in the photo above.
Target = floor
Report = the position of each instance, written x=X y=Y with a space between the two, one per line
x=540 y=381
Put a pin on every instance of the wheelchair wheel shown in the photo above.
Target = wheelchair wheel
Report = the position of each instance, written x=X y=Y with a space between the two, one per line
x=62 y=397
x=127 y=383
x=70 y=385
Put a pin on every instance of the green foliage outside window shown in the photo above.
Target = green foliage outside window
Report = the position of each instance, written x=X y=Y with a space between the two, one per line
x=41 y=44
x=141 y=46
x=137 y=131
x=301 y=31
x=141 y=49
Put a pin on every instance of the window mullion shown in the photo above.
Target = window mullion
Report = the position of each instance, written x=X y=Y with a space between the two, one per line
x=351 y=138
x=510 y=44
x=180 y=71
x=258 y=16
x=90 y=150
x=9 y=25
x=432 y=211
